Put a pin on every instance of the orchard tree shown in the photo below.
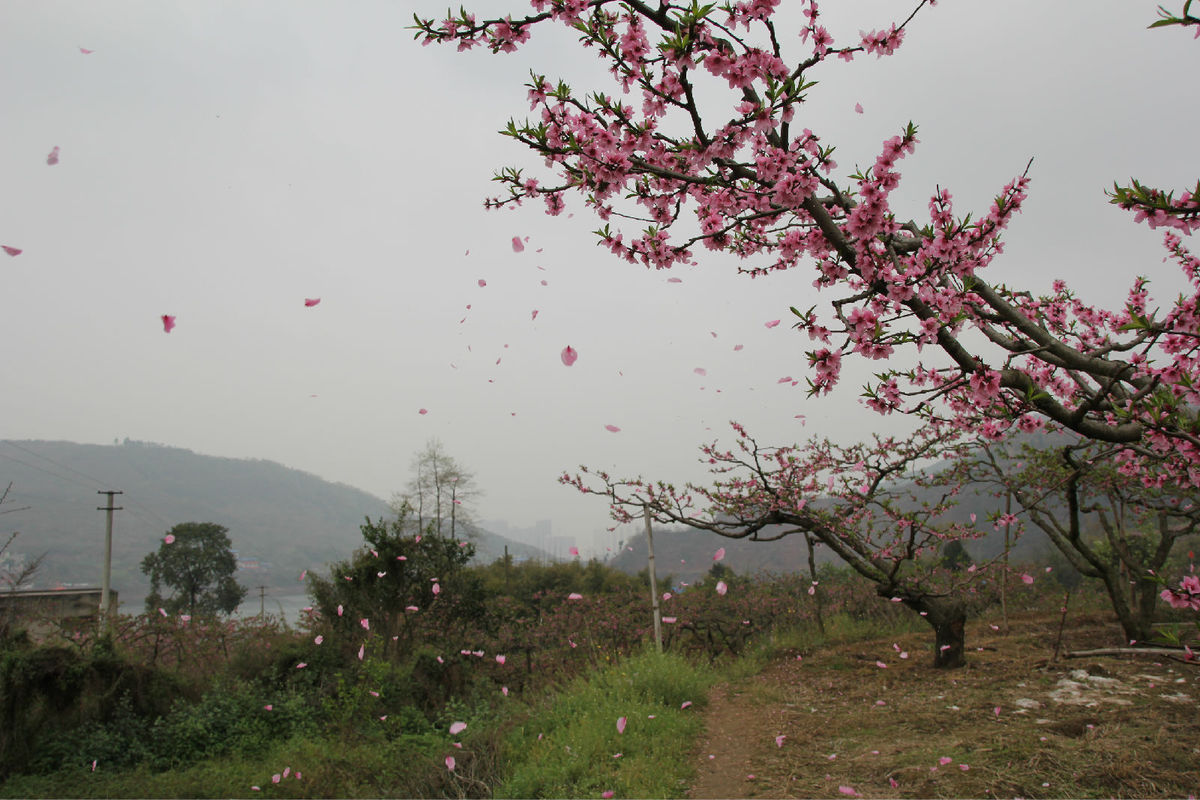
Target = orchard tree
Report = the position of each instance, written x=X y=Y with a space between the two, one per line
x=196 y=562
x=1109 y=525
x=868 y=503
x=696 y=143
x=721 y=164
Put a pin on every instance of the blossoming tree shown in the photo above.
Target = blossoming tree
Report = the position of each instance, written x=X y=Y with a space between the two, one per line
x=870 y=504
x=697 y=146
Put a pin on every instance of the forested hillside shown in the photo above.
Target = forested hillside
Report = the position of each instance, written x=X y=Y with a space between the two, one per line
x=281 y=521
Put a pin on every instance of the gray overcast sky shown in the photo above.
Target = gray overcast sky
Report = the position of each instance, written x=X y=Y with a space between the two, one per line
x=221 y=162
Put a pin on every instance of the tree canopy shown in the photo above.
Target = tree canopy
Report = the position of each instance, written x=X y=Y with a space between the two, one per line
x=196 y=562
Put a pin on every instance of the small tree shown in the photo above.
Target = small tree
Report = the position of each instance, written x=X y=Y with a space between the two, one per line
x=867 y=503
x=403 y=583
x=1111 y=526
x=196 y=561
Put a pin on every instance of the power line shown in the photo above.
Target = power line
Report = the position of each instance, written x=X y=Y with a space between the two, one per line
x=80 y=473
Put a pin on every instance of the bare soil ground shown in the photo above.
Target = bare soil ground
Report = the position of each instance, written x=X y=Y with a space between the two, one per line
x=858 y=720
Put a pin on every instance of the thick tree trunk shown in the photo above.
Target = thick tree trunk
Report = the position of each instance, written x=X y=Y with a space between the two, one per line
x=948 y=618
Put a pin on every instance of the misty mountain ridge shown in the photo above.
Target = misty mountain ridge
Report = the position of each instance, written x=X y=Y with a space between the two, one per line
x=281 y=521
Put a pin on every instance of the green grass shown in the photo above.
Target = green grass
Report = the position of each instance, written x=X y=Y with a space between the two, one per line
x=570 y=748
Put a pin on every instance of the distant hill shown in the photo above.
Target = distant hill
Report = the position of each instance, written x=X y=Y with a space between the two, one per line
x=281 y=520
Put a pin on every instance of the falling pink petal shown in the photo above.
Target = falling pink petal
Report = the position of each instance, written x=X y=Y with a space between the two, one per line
x=340 y=609
x=534 y=314
x=457 y=728
x=517 y=244
x=303 y=574
x=93 y=765
x=318 y=640
x=788 y=379
x=612 y=429
x=772 y=323
x=169 y=539
x=620 y=725
x=573 y=550
x=674 y=280
x=569 y=355
x=964 y=767
x=52 y=159
x=504 y=691
x=168 y=323
x=268 y=707
x=12 y=251
x=669 y=620
x=574 y=596
x=301 y=665
x=722 y=588
x=881 y=665
x=437 y=589
x=700 y=371
x=1027 y=578
x=500 y=659
x=717 y=556
x=162 y=611
x=85 y=51
x=362 y=650
x=481 y=283
x=450 y=763
x=411 y=608
x=423 y=411
x=858 y=108
x=606 y=794
x=366 y=623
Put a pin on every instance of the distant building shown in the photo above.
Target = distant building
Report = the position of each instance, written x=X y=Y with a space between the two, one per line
x=39 y=608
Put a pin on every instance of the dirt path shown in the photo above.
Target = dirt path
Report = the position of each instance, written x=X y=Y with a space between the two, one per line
x=860 y=720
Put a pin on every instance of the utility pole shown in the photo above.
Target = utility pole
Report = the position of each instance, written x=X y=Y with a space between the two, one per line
x=653 y=579
x=262 y=600
x=105 y=599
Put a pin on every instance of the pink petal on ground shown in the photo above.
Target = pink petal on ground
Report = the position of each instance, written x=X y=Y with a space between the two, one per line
x=685 y=704
x=772 y=323
x=612 y=429
x=717 y=556
x=669 y=620
x=168 y=323
x=518 y=245
x=944 y=760
x=437 y=588
x=52 y=159
x=411 y=608
x=450 y=759
x=340 y=609
x=722 y=588
x=569 y=355
x=12 y=251
x=849 y=790
x=881 y=665
x=162 y=611
x=504 y=691
x=457 y=728
x=779 y=740
x=574 y=596
x=606 y=794
x=620 y=725
x=858 y=108
x=366 y=623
